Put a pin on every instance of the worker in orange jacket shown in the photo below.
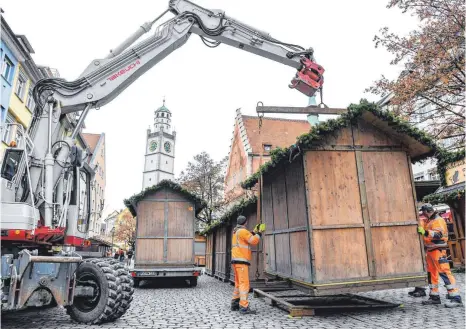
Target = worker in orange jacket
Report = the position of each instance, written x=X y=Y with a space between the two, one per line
x=241 y=243
x=435 y=233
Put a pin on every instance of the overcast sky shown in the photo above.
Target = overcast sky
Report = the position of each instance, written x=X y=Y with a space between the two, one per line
x=203 y=87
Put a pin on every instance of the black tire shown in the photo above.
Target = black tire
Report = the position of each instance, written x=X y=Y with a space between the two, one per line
x=193 y=281
x=136 y=282
x=97 y=309
x=125 y=281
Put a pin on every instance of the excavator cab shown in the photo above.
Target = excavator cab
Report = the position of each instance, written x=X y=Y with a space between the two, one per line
x=11 y=162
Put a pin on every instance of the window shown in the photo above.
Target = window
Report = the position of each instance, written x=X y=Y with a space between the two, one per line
x=7 y=69
x=21 y=85
x=30 y=101
x=267 y=147
x=11 y=163
x=7 y=128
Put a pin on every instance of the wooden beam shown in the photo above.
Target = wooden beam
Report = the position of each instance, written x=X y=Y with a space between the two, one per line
x=365 y=215
x=300 y=110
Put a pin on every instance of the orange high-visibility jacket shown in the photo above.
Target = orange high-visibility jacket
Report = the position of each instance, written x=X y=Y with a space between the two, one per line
x=436 y=236
x=240 y=245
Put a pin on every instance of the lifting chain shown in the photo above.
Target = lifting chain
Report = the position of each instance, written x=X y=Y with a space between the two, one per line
x=322 y=104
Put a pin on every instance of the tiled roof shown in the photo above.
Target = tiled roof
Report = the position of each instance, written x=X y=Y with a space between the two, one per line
x=275 y=131
x=91 y=140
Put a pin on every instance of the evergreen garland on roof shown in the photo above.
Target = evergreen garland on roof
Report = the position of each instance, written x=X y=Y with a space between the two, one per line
x=444 y=158
x=438 y=198
x=231 y=214
x=323 y=129
x=132 y=202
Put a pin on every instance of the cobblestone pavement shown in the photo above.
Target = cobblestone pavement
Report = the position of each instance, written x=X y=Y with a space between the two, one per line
x=207 y=306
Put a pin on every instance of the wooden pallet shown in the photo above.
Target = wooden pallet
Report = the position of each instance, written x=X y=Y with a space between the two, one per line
x=299 y=304
x=262 y=284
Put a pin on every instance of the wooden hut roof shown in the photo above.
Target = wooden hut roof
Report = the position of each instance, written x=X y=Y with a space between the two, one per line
x=418 y=143
x=131 y=203
x=231 y=214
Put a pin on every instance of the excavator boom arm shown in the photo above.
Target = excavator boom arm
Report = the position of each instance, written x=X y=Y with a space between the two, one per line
x=106 y=78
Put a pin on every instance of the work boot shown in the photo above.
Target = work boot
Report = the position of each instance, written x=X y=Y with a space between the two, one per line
x=235 y=304
x=433 y=300
x=246 y=310
x=455 y=301
x=418 y=292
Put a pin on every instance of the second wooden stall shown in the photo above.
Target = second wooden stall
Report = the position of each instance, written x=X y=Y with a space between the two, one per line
x=340 y=210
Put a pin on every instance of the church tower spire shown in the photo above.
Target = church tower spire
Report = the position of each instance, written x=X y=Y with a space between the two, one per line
x=162 y=118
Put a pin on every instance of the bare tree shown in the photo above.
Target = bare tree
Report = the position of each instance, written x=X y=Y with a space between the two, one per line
x=431 y=91
x=204 y=178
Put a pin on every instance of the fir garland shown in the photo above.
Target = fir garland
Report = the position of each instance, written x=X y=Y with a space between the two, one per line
x=324 y=129
x=132 y=202
x=231 y=214
x=436 y=198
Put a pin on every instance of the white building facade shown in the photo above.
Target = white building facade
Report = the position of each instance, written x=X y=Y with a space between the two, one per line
x=159 y=161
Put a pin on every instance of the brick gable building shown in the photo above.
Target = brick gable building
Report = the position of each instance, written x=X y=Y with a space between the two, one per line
x=246 y=147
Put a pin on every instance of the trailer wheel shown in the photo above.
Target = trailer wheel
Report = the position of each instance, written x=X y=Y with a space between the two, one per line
x=193 y=281
x=127 y=291
x=97 y=308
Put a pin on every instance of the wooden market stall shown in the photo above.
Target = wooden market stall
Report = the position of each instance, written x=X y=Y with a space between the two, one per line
x=340 y=205
x=165 y=232
x=451 y=167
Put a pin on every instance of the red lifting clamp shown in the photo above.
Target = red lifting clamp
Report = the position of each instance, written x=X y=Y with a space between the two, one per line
x=309 y=78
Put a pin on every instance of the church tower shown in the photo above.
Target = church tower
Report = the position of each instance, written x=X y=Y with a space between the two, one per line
x=160 y=149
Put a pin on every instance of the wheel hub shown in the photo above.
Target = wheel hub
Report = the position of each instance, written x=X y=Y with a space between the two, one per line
x=88 y=303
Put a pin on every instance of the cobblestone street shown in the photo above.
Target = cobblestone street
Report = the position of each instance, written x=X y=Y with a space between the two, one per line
x=207 y=306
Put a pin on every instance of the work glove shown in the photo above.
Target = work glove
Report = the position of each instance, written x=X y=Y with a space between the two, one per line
x=421 y=230
x=259 y=228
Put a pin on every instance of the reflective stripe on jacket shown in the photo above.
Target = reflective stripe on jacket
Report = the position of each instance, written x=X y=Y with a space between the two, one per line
x=436 y=236
x=240 y=245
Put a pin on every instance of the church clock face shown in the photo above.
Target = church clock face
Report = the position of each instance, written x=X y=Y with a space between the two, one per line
x=153 y=146
x=167 y=146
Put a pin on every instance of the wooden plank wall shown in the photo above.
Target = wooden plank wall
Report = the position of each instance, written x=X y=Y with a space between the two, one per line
x=210 y=253
x=284 y=213
x=222 y=263
x=335 y=216
x=150 y=222
x=165 y=229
